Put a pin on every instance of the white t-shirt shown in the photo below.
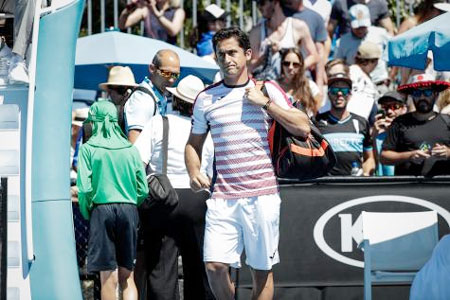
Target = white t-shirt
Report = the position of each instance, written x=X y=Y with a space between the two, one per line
x=140 y=108
x=364 y=93
x=243 y=166
x=322 y=7
x=149 y=145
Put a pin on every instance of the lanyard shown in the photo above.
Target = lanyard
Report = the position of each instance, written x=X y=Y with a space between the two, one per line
x=162 y=101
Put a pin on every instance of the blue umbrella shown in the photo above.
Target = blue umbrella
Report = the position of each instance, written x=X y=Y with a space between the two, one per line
x=96 y=53
x=410 y=48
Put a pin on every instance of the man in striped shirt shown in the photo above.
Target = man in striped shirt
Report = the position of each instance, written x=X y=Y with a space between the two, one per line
x=243 y=211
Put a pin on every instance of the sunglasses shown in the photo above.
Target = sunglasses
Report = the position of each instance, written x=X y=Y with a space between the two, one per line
x=289 y=63
x=419 y=93
x=335 y=90
x=119 y=90
x=392 y=106
x=365 y=62
x=168 y=74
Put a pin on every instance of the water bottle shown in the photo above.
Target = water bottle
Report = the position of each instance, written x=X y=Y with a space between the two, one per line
x=356 y=169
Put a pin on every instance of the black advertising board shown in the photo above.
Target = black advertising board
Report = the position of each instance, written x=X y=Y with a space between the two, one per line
x=320 y=226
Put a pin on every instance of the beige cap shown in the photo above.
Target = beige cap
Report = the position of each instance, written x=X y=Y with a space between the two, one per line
x=121 y=76
x=368 y=50
x=188 y=88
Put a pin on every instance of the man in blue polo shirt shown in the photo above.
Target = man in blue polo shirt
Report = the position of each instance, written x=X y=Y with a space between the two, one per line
x=347 y=133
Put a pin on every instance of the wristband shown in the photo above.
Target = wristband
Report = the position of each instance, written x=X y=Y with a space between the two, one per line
x=266 y=106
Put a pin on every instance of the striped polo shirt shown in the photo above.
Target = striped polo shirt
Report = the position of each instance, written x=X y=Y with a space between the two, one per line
x=243 y=167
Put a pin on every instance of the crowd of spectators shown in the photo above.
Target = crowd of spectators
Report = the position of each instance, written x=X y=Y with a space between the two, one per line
x=380 y=121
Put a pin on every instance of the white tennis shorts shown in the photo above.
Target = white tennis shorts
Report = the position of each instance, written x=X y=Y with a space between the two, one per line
x=250 y=223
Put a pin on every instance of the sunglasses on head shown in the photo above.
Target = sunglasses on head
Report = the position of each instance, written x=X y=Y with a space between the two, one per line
x=168 y=74
x=419 y=93
x=391 y=106
x=289 y=63
x=335 y=90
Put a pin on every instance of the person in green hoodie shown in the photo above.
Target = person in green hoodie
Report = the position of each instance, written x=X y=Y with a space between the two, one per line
x=112 y=183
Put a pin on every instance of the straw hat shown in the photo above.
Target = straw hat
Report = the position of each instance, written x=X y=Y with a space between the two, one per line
x=421 y=81
x=188 y=88
x=119 y=76
x=368 y=50
x=79 y=115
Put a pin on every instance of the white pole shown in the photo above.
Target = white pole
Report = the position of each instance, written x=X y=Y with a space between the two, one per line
x=116 y=14
x=241 y=15
x=228 y=10
x=102 y=15
x=194 y=13
x=89 y=16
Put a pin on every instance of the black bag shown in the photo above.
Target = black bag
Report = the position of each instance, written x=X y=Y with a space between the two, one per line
x=161 y=194
x=300 y=158
x=297 y=157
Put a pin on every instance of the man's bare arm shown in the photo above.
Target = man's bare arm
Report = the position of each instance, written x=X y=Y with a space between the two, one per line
x=368 y=163
x=192 y=159
x=129 y=18
x=133 y=134
x=390 y=157
x=257 y=57
x=305 y=39
x=387 y=24
x=293 y=120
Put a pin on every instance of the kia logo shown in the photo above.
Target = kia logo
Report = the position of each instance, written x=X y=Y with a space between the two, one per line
x=353 y=231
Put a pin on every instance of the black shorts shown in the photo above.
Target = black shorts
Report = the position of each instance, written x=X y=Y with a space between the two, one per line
x=113 y=237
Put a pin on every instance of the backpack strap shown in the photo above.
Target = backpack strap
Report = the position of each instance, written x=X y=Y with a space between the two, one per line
x=87 y=131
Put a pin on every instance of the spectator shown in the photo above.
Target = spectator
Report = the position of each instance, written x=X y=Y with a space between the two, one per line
x=142 y=106
x=186 y=224
x=211 y=20
x=302 y=91
x=379 y=15
x=13 y=60
x=120 y=84
x=111 y=183
x=244 y=190
x=296 y=9
x=274 y=33
x=163 y=19
x=361 y=30
x=418 y=143
x=392 y=105
x=365 y=92
x=332 y=67
x=443 y=102
x=348 y=133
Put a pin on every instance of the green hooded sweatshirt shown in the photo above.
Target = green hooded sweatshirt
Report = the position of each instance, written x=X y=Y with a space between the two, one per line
x=110 y=169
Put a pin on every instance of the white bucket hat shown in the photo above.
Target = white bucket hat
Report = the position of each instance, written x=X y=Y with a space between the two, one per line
x=119 y=76
x=188 y=88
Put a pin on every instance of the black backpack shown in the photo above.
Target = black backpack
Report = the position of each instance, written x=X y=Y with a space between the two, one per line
x=87 y=127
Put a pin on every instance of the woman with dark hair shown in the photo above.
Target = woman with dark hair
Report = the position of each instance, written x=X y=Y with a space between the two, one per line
x=302 y=91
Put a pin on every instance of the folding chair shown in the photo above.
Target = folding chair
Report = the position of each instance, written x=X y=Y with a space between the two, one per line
x=396 y=246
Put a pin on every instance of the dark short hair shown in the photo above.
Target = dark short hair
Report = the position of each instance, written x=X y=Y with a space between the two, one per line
x=230 y=32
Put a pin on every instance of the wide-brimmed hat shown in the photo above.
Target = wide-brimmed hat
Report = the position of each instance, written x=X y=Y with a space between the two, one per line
x=359 y=16
x=213 y=12
x=392 y=96
x=442 y=5
x=368 y=50
x=79 y=116
x=423 y=81
x=119 y=76
x=339 y=77
x=188 y=88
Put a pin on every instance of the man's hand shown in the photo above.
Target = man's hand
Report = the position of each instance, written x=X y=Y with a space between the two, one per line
x=154 y=9
x=418 y=156
x=199 y=181
x=255 y=96
x=382 y=123
x=440 y=151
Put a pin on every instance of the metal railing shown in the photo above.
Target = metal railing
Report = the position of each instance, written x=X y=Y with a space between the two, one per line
x=225 y=4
